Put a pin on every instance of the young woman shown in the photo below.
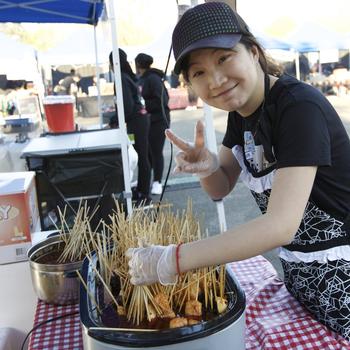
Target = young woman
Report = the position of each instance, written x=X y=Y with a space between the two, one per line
x=290 y=148
x=156 y=99
x=137 y=123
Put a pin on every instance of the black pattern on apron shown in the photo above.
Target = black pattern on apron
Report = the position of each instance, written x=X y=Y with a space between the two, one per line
x=322 y=288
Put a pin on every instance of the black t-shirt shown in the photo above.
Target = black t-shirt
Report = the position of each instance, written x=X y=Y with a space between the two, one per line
x=299 y=128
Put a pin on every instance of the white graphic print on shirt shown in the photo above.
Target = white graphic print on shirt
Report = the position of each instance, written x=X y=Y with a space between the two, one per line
x=254 y=154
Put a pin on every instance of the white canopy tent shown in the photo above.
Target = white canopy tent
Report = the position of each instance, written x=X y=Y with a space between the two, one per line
x=88 y=12
x=308 y=26
x=17 y=61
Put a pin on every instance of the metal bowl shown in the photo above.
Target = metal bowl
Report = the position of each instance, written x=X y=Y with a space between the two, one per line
x=53 y=283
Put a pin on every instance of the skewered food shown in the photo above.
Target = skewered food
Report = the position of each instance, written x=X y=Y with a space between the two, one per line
x=163 y=303
x=193 y=308
x=197 y=296
x=221 y=304
x=192 y=322
x=178 y=322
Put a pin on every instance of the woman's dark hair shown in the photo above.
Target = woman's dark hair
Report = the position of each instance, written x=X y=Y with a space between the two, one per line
x=124 y=64
x=143 y=61
x=268 y=65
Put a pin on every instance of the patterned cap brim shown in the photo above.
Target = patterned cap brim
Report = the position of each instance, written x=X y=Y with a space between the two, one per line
x=221 y=41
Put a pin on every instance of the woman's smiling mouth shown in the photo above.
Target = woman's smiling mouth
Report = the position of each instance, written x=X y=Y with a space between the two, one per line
x=225 y=92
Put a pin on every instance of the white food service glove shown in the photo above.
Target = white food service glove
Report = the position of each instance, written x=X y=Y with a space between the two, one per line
x=194 y=158
x=155 y=263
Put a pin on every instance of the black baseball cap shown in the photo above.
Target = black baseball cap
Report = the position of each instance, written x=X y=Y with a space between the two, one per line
x=208 y=25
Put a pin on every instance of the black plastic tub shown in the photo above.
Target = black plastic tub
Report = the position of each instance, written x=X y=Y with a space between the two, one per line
x=225 y=331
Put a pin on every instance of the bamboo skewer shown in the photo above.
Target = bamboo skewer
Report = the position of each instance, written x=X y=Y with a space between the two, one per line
x=102 y=280
x=88 y=292
x=143 y=228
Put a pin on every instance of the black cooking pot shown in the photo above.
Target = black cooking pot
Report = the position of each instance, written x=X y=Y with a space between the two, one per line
x=96 y=329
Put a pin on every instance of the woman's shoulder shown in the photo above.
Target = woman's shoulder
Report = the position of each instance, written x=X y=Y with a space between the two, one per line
x=289 y=90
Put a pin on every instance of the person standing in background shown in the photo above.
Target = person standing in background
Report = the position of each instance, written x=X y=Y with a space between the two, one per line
x=70 y=83
x=156 y=99
x=137 y=123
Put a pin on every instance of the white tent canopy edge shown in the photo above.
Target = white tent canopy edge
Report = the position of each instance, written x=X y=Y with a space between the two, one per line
x=112 y=5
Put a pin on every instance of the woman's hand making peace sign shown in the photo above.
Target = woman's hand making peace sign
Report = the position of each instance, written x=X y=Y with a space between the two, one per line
x=194 y=158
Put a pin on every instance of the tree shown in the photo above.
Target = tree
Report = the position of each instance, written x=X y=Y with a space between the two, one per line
x=41 y=37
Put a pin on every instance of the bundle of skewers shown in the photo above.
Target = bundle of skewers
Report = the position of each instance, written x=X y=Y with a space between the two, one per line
x=197 y=296
x=78 y=239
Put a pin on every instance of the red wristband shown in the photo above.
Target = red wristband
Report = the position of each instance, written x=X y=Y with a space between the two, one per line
x=177 y=251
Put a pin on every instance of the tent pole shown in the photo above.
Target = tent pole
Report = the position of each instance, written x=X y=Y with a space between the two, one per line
x=297 y=65
x=211 y=143
x=120 y=105
x=41 y=86
x=98 y=85
x=319 y=62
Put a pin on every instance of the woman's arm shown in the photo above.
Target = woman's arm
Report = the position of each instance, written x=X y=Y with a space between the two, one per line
x=218 y=174
x=289 y=196
x=221 y=183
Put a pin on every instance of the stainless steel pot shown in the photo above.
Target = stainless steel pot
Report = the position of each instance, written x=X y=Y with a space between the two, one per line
x=53 y=283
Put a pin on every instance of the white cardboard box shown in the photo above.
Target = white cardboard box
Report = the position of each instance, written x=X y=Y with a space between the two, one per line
x=19 y=215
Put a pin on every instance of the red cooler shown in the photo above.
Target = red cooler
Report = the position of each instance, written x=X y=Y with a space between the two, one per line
x=59 y=112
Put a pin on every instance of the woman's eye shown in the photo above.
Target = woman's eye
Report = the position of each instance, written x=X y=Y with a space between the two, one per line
x=223 y=58
x=196 y=74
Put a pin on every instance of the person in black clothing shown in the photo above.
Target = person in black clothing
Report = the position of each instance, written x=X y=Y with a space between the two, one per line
x=137 y=123
x=289 y=147
x=156 y=99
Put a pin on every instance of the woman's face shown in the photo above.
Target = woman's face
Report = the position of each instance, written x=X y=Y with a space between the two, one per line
x=231 y=80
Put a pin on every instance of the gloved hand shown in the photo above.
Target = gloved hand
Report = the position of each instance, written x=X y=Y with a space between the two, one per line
x=194 y=158
x=152 y=264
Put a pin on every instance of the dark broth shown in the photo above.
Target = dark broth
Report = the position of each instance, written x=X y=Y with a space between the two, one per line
x=52 y=257
x=110 y=318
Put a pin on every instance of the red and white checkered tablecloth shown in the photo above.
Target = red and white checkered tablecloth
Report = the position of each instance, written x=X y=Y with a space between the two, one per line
x=274 y=319
x=61 y=334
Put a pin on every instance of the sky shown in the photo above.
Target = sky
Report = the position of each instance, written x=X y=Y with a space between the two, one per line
x=261 y=14
x=325 y=23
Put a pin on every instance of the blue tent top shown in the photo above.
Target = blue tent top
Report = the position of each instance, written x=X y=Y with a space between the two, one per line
x=51 y=11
